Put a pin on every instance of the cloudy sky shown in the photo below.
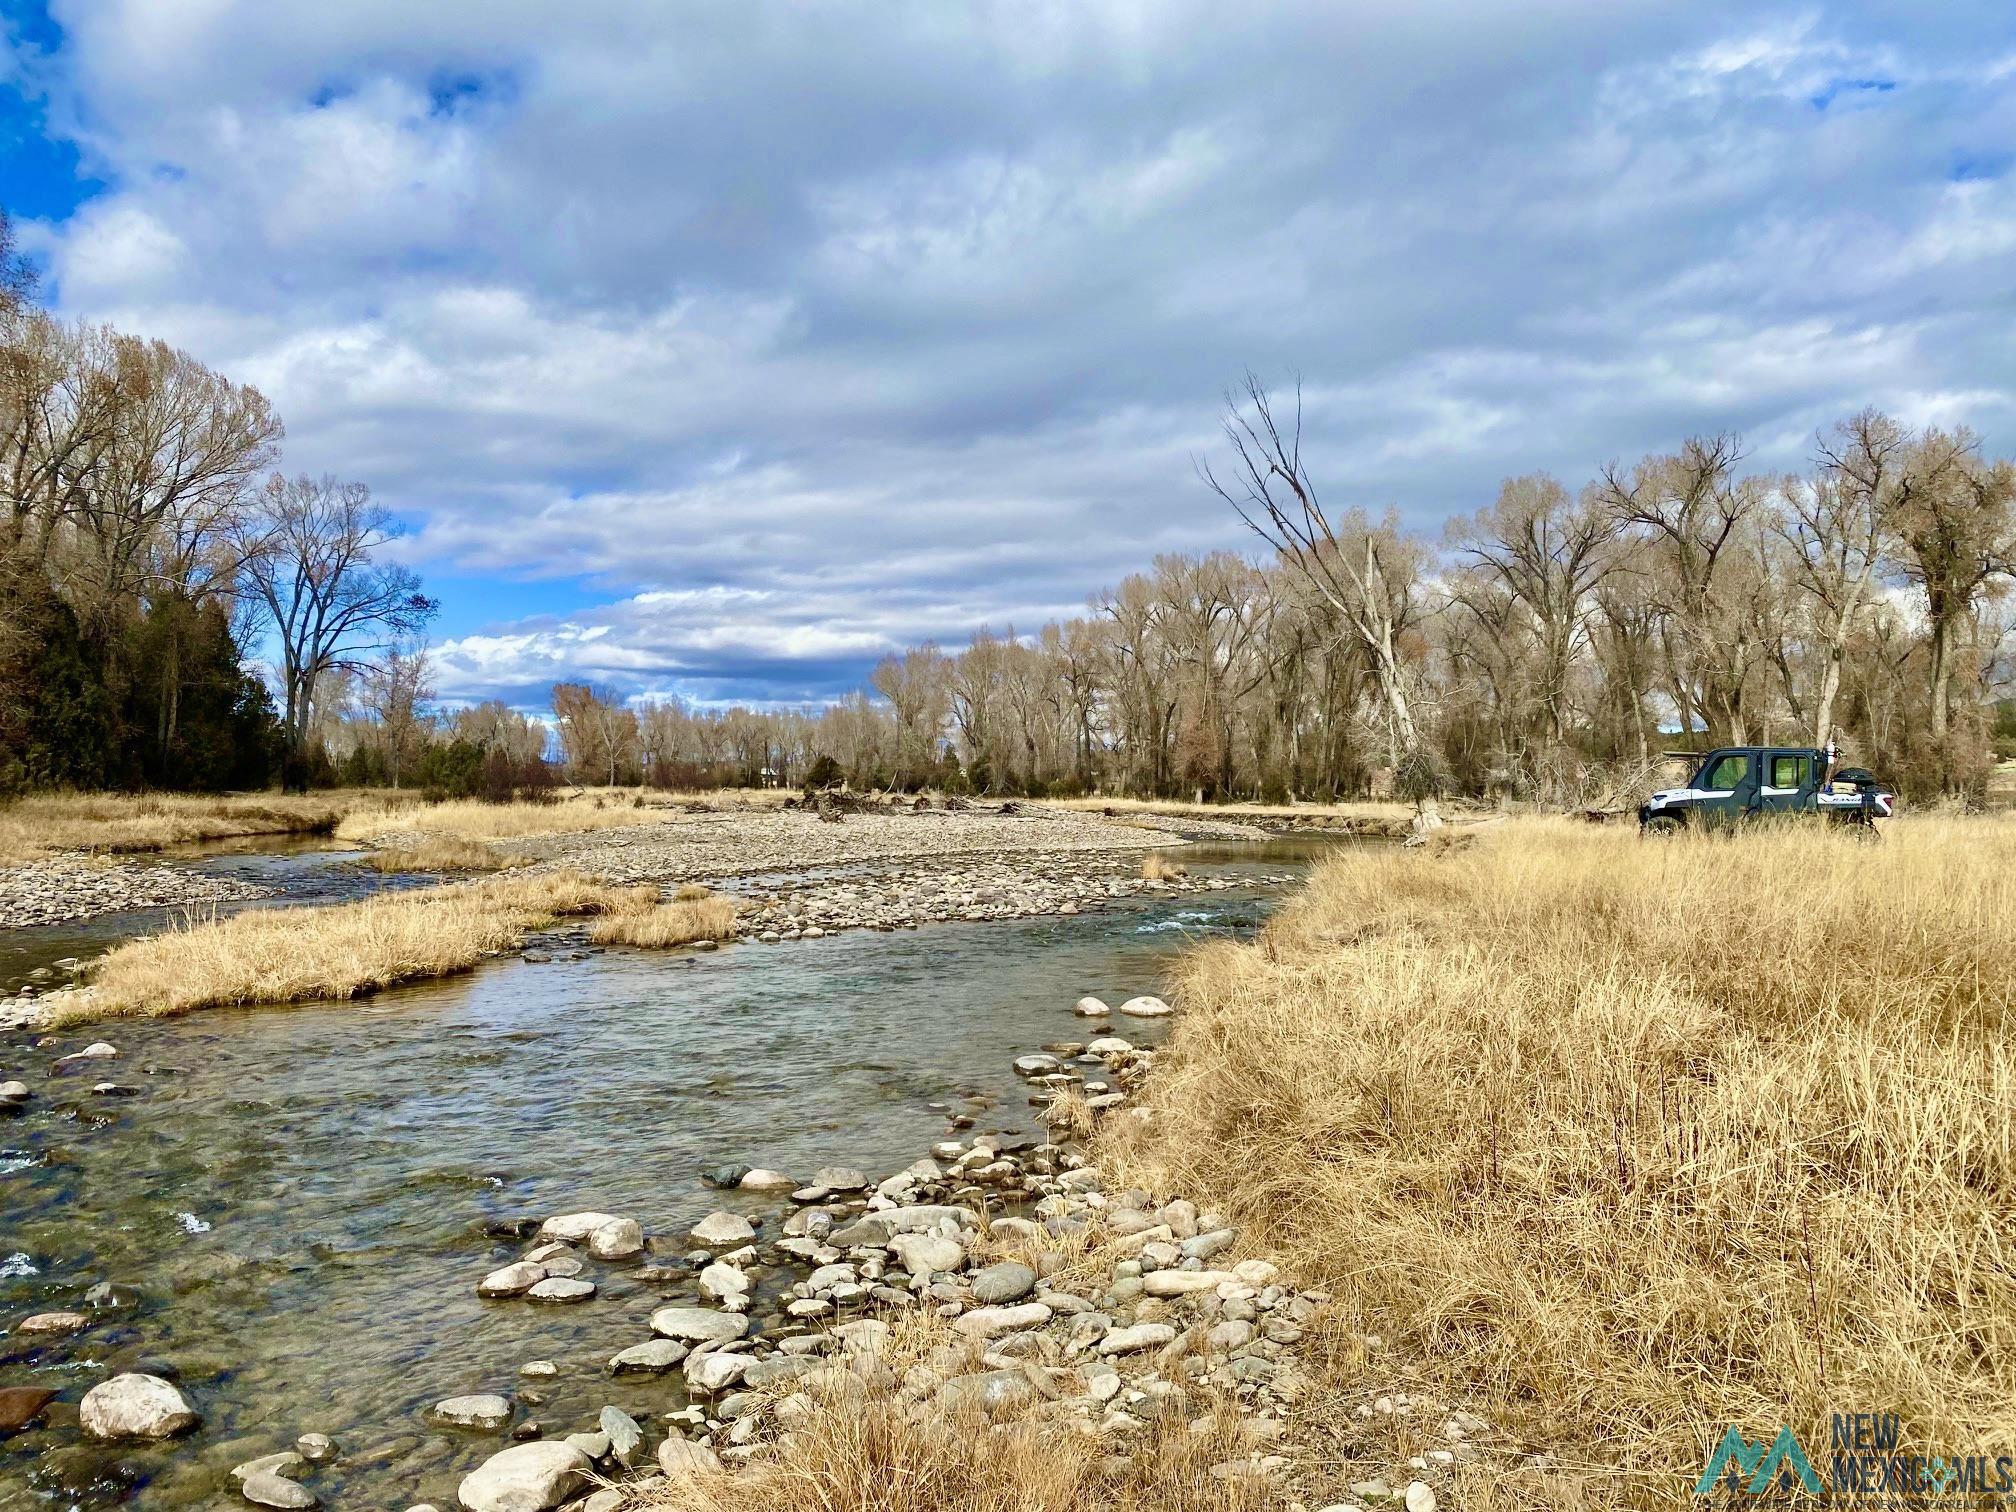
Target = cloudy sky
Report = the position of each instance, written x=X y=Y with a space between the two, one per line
x=717 y=349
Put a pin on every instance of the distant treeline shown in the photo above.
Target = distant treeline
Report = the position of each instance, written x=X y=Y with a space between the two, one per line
x=1548 y=647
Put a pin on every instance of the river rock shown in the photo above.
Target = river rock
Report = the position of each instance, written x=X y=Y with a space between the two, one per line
x=698 y=1325
x=286 y=1463
x=562 y=1289
x=1146 y=1007
x=1420 y=1497
x=52 y=1323
x=760 y=1180
x=512 y=1280
x=721 y=1281
x=1140 y=1336
x=989 y=1322
x=988 y=1390
x=572 y=1228
x=97 y=1050
x=316 y=1448
x=21 y=1405
x=679 y=1458
x=1109 y=1044
x=621 y=1239
x=624 y=1434
x=1091 y=1007
x=525 y=1478
x=1003 y=1283
x=265 y=1489
x=136 y=1407
x=712 y=1372
x=654 y=1357
x=1183 y=1283
x=484 y=1412
x=723 y=1231
x=840 y=1179
x=14 y=1091
x=926 y=1254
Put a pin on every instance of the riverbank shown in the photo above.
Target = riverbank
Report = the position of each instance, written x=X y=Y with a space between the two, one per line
x=40 y=825
x=342 y=951
x=1622 y=1144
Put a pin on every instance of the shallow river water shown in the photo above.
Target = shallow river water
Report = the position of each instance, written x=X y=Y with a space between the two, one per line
x=294 y=1199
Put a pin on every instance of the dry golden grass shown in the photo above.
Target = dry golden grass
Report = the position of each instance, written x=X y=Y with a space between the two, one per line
x=468 y=819
x=292 y=954
x=129 y=823
x=1623 y=1143
x=1156 y=867
x=846 y=1455
x=1173 y=808
x=443 y=853
x=574 y=812
x=677 y=923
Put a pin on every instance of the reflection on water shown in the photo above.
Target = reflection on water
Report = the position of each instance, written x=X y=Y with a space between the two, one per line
x=293 y=1203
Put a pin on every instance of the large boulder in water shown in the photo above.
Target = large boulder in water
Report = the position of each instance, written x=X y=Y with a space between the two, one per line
x=136 y=1407
x=1146 y=1007
x=525 y=1478
x=572 y=1228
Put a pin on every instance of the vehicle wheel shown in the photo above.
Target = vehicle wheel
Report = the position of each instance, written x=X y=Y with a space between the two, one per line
x=1663 y=826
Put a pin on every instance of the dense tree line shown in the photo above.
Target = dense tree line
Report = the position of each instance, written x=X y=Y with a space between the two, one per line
x=1548 y=647
x=147 y=547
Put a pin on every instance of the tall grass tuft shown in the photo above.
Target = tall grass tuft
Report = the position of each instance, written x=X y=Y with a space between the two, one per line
x=1624 y=1143
x=681 y=922
x=443 y=853
x=285 y=955
x=133 y=823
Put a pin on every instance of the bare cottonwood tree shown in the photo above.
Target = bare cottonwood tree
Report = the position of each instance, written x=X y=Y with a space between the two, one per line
x=1955 y=536
x=17 y=274
x=1366 y=572
x=1692 y=511
x=598 y=731
x=309 y=559
x=1836 y=522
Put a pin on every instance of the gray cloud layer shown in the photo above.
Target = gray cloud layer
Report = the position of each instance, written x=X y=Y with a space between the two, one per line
x=804 y=332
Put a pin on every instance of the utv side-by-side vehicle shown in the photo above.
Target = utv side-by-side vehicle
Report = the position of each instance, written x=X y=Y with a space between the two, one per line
x=1741 y=784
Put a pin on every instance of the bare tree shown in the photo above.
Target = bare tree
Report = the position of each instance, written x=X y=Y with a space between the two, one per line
x=1366 y=572
x=396 y=691
x=1836 y=523
x=597 y=730
x=17 y=274
x=309 y=561
x=1955 y=535
x=1692 y=511
x=1549 y=552
x=914 y=683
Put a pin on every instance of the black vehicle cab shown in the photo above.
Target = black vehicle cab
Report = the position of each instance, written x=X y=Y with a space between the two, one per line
x=1738 y=783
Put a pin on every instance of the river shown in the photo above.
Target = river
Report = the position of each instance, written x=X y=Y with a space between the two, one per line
x=292 y=1206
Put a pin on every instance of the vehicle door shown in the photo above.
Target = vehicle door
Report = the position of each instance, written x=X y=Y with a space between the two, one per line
x=1787 y=783
x=1725 y=789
